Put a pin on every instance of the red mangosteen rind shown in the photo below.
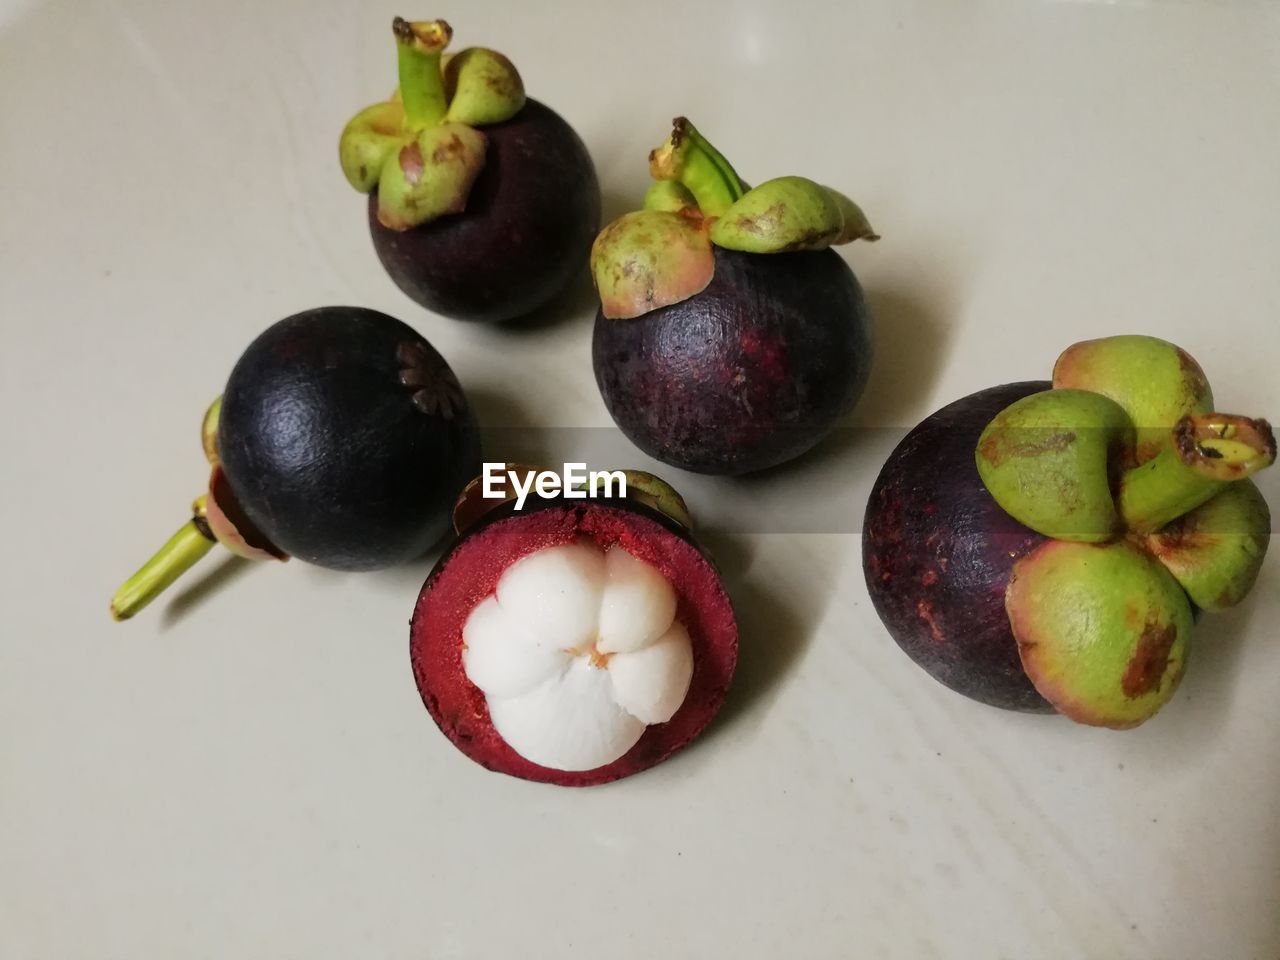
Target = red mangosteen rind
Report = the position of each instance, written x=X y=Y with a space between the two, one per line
x=483 y=202
x=468 y=573
x=938 y=552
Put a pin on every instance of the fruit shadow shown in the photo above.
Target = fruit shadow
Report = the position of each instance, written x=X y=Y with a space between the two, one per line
x=1194 y=721
x=910 y=332
x=201 y=589
x=774 y=630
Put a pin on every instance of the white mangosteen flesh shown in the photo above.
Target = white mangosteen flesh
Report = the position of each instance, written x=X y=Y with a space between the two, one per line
x=577 y=651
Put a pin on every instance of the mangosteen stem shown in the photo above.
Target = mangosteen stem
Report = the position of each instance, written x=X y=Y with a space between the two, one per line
x=171 y=561
x=1208 y=452
x=418 y=47
x=688 y=157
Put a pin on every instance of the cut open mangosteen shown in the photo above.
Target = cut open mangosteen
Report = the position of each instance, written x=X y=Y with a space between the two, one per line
x=342 y=438
x=730 y=338
x=573 y=642
x=1045 y=546
x=482 y=202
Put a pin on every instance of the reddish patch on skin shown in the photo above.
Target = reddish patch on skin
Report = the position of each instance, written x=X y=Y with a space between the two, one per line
x=924 y=610
x=1149 y=661
x=411 y=163
x=930 y=578
x=997 y=449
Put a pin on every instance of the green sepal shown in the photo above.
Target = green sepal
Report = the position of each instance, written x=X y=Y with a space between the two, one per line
x=655 y=492
x=1046 y=460
x=368 y=139
x=430 y=176
x=1102 y=630
x=1216 y=550
x=855 y=226
x=649 y=259
x=484 y=87
x=789 y=213
x=1155 y=381
x=669 y=196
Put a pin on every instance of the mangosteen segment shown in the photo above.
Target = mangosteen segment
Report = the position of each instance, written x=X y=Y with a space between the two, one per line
x=577 y=652
x=661 y=255
x=419 y=151
x=1102 y=630
x=573 y=643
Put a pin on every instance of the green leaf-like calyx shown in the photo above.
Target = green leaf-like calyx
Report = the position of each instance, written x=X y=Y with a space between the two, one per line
x=695 y=183
x=1140 y=488
x=391 y=146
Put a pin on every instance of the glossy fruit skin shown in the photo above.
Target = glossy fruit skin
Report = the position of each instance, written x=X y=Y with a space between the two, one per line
x=530 y=219
x=937 y=553
x=749 y=373
x=332 y=457
x=468 y=572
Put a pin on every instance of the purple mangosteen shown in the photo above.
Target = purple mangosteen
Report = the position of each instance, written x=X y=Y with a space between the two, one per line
x=730 y=337
x=342 y=438
x=1042 y=546
x=482 y=202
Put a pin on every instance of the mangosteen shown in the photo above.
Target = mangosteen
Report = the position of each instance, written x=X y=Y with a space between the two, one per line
x=342 y=438
x=730 y=338
x=482 y=202
x=1045 y=546
x=575 y=640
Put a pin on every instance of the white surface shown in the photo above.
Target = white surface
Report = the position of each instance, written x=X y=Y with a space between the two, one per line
x=247 y=771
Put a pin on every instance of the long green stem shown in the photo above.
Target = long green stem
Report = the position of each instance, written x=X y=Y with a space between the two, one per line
x=687 y=156
x=418 y=47
x=172 y=560
x=1207 y=453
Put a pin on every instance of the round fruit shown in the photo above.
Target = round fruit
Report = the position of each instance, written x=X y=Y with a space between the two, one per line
x=1029 y=545
x=937 y=551
x=482 y=202
x=573 y=641
x=346 y=437
x=342 y=438
x=729 y=338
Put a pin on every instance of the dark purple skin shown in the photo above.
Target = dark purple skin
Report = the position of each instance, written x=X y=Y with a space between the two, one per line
x=531 y=217
x=345 y=438
x=749 y=373
x=937 y=552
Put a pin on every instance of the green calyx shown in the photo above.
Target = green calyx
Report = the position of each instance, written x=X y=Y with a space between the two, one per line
x=420 y=149
x=696 y=183
x=210 y=524
x=1102 y=630
x=1138 y=485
